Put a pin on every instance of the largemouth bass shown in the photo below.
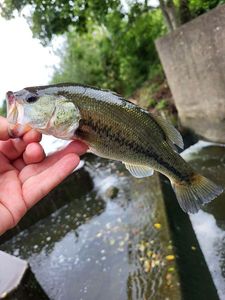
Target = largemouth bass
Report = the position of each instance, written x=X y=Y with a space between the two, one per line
x=113 y=128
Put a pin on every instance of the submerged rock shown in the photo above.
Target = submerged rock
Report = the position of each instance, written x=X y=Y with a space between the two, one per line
x=112 y=192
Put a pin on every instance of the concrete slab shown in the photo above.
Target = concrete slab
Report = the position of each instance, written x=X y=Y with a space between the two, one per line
x=12 y=270
x=193 y=60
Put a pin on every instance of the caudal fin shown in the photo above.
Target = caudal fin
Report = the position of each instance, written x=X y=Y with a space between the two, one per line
x=193 y=195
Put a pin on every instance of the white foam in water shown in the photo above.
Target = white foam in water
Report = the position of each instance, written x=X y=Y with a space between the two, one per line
x=52 y=144
x=102 y=183
x=209 y=235
x=186 y=154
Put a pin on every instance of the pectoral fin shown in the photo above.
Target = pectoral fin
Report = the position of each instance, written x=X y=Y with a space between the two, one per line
x=139 y=171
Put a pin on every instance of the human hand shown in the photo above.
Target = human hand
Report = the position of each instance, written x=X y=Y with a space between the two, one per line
x=26 y=175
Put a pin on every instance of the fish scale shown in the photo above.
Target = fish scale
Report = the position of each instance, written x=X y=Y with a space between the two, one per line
x=113 y=128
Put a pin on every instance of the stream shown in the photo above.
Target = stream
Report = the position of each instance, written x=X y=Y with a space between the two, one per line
x=114 y=241
x=111 y=243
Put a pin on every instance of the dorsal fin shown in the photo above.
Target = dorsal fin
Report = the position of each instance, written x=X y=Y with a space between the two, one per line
x=173 y=136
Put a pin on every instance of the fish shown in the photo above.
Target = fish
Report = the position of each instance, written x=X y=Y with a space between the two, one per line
x=113 y=128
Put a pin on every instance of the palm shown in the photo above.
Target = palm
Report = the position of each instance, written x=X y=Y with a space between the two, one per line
x=26 y=175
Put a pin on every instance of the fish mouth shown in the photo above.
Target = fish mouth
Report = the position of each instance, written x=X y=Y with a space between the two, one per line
x=15 y=113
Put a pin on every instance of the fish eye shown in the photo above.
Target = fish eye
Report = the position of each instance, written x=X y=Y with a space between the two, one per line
x=31 y=99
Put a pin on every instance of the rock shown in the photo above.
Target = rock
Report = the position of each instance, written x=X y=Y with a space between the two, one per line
x=17 y=280
x=194 y=62
x=112 y=192
x=12 y=270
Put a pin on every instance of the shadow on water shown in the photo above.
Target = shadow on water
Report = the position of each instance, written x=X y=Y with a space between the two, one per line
x=196 y=281
x=112 y=242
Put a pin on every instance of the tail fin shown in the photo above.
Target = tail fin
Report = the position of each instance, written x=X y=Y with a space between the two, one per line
x=191 y=196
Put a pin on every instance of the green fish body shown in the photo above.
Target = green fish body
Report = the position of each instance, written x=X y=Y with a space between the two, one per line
x=114 y=128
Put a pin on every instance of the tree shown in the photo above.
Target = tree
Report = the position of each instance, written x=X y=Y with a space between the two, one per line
x=170 y=14
x=51 y=17
x=119 y=57
x=3 y=109
x=107 y=45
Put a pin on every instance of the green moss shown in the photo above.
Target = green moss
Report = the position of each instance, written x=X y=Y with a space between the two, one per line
x=162 y=104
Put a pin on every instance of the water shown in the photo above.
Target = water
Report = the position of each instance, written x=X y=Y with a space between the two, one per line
x=209 y=224
x=112 y=243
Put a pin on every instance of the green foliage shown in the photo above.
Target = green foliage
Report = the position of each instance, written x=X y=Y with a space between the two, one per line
x=106 y=44
x=81 y=60
x=119 y=57
x=198 y=7
x=52 y=17
x=151 y=103
x=162 y=104
x=3 y=109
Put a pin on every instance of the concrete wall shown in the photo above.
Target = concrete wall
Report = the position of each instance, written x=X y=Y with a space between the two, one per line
x=193 y=58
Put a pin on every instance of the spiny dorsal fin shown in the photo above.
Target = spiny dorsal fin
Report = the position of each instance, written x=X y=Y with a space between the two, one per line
x=139 y=171
x=172 y=134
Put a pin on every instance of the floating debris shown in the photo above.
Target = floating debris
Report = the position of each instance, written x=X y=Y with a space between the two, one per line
x=169 y=247
x=147 y=266
x=112 y=242
x=99 y=234
x=108 y=225
x=169 y=279
x=141 y=248
x=149 y=253
x=193 y=248
x=157 y=225
x=170 y=257
x=122 y=243
x=171 y=269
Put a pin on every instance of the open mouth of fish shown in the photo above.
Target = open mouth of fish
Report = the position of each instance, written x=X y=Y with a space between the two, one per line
x=15 y=116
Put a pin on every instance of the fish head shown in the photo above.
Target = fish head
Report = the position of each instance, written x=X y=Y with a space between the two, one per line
x=47 y=112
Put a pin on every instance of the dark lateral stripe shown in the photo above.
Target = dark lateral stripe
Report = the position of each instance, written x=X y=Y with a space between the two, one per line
x=107 y=131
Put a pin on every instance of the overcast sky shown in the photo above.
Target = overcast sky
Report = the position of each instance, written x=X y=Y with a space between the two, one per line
x=23 y=60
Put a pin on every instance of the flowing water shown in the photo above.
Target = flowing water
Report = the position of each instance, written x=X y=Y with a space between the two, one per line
x=209 y=224
x=111 y=243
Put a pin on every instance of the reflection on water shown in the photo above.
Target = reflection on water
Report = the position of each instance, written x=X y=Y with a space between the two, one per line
x=209 y=224
x=112 y=243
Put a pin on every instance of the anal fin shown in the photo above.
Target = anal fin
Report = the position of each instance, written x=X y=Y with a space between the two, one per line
x=139 y=171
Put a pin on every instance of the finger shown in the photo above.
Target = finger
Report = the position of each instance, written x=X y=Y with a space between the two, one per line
x=32 y=136
x=11 y=195
x=34 y=153
x=7 y=220
x=19 y=164
x=12 y=148
x=76 y=147
x=4 y=135
x=36 y=187
x=5 y=165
